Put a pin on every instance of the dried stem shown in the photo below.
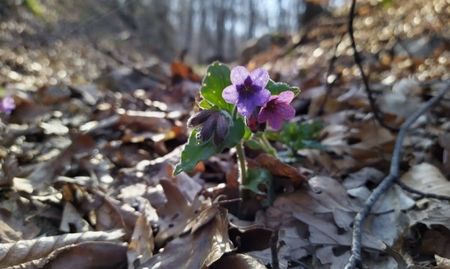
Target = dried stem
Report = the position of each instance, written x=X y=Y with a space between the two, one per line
x=423 y=194
x=329 y=85
x=376 y=112
x=355 y=258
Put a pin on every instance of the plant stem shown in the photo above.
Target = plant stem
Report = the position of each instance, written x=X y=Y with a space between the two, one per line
x=242 y=163
x=268 y=147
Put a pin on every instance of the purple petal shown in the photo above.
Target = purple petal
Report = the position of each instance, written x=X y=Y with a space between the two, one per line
x=275 y=123
x=246 y=106
x=286 y=97
x=262 y=97
x=285 y=111
x=230 y=94
x=260 y=77
x=238 y=75
x=267 y=115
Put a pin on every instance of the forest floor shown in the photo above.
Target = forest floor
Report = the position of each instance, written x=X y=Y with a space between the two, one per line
x=87 y=156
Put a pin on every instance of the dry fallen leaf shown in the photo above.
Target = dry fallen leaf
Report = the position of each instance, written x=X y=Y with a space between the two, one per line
x=237 y=261
x=27 y=250
x=427 y=178
x=197 y=249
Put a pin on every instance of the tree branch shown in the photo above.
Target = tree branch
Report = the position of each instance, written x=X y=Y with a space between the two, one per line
x=355 y=258
x=356 y=56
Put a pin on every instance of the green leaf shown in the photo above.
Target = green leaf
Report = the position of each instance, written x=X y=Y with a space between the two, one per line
x=203 y=104
x=35 y=7
x=259 y=181
x=277 y=87
x=217 y=78
x=196 y=151
x=298 y=135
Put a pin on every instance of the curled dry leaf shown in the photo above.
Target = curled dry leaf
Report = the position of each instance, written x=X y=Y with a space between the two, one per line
x=237 y=261
x=278 y=168
x=176 y=214
x=427 y=178
x=142 y=243
x=71 y=217
x=47 y=172
x=113 y=215
x=196 y=249
x=27 y=250
x=86 y=255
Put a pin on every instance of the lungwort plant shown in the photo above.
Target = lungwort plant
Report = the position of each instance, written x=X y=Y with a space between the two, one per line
x=236 y=106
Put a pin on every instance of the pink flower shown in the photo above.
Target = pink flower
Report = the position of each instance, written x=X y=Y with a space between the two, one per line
x=277 y=110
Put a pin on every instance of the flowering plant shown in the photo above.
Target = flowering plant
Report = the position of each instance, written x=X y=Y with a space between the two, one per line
x=236 y=106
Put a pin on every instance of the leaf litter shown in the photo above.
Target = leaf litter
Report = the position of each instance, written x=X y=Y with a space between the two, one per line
x=87 y=170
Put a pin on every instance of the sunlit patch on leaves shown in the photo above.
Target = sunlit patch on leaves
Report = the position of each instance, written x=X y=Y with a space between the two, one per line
x=217 y=78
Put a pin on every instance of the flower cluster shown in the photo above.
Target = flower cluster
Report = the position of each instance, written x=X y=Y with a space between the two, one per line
x=214 y=123
x=7 y=105
x=253 y=101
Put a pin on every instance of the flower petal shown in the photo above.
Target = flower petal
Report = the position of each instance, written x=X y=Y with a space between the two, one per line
x=275 y=123
x=207 y=129
x=230 y=94
x=267 y=115
x=285 y=111
x=246 y=106
x=262 y=97
x=238 y=75
x=260 y=77
x=286 y=97
x=199 y=118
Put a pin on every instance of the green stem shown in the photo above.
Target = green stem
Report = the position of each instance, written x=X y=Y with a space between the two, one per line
x=268 y=147
x=242 y=163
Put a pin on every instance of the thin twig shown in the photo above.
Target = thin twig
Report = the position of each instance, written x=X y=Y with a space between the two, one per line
x=274 y=250
x=355 y=258
x=329 y=85
x=356 y=56
x=421 y=193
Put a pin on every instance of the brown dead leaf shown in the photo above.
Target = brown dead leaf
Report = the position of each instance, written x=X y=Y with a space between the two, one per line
x=71 y=218
x=174 y=215
x=88 y=255
x=27 y=250
x=114 y=215
x=196 y=249
x=47 y=172
x=427 y=178
x=237 y=261
x=142 y=243
x=278 y=168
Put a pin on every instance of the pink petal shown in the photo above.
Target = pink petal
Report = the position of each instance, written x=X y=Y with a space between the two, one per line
x=285 y=111
x=276 y=124
x=230 y=94
x=260 y=77
x=238 y=75
x=286 y=97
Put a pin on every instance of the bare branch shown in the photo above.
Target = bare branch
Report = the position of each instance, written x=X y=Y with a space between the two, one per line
x=356 y=56
x=355 y=258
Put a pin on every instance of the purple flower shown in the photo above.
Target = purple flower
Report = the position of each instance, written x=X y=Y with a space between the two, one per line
x=248 y=89
x=7 y=104
x=277 y=109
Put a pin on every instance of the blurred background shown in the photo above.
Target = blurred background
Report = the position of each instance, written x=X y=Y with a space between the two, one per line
x=205 y=30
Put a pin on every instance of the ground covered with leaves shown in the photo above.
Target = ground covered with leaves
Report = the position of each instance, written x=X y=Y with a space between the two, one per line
x=88 y=154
